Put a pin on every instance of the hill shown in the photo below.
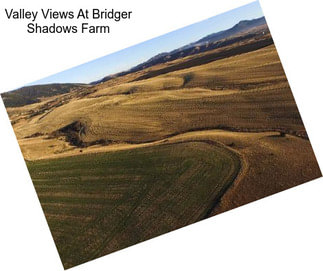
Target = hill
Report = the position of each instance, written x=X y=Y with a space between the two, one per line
x=240 y=27
x=33 y=94
x=216 y=40
x=241 y=32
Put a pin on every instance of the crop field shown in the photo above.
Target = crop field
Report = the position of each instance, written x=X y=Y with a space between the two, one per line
x=99 y=203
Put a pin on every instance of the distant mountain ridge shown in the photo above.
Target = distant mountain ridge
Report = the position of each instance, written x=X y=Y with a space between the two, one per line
x=208 y=42
x=31 y=94
x=242 y=26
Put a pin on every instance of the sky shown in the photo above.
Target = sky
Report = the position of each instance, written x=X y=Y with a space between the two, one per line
x=129 y=57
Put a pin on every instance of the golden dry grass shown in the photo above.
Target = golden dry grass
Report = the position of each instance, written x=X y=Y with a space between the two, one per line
x=244 y=93
x=255 y=96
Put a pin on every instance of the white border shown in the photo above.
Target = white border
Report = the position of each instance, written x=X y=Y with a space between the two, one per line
x=281 y=232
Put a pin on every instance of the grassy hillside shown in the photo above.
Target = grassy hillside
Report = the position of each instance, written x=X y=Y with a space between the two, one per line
x=32 y=94
x=96 y=204
x=246 y=92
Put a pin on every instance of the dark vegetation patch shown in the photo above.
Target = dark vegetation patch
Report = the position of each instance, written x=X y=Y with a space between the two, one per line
x=187 y=78
x=35 y=135
x=74 y=132
x=131 y=90
x=32 y=94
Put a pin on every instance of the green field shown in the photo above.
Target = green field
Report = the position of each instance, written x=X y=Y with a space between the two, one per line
x=99 y=203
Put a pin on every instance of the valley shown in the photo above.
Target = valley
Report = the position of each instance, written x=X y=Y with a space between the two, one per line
x=186 y=135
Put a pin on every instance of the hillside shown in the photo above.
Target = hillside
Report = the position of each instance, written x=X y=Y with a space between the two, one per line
x=253 y=28
x=33 y=94
x=227 y=93
x=239 y=33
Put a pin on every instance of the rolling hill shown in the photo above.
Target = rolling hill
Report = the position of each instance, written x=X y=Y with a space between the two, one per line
x=254 y=28
x=242 y=31
x=33 y=94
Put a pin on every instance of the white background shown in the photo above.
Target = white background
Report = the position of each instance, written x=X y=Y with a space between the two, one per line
x=281 y=232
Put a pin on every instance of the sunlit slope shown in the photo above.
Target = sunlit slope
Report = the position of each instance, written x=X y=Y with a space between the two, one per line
x=96 y=204
x=247 y=71
x=246 y=92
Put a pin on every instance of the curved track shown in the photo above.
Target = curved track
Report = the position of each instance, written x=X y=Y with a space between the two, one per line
x=99 y=203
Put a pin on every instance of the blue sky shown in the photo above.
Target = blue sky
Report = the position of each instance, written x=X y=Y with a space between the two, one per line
x=129 y=57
